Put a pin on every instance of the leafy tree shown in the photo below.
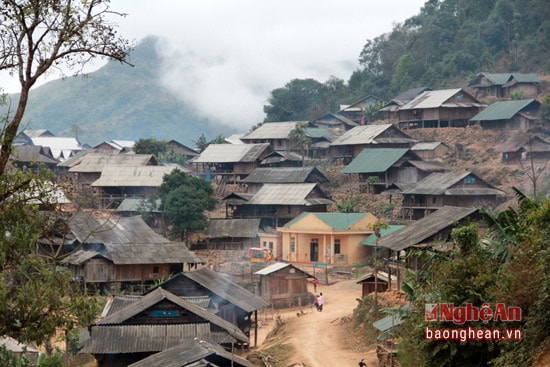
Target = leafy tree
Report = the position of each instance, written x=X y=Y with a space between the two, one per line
x=184 y=200
x=220 y=139
x=302 y=99
x=151 y=146
x=299 y=138
x=38 y=35
x=201 y=143
x=37 y=296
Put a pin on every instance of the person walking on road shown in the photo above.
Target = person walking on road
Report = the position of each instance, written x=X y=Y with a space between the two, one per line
x=320 y=302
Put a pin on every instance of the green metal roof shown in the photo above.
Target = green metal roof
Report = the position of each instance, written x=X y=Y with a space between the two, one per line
x=337 y=221
x=316 y=132
x=497 y=78
x=375 y=160
x=502 y=110
x=526 y=78
x=371 y=239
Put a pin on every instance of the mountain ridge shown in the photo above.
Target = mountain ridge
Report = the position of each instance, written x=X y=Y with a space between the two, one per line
x=118 y=102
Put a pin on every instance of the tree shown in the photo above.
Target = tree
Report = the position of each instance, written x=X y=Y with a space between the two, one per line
x=299 y=138
x=201 y=143
x=38 y=297
x=150 y=146
x=184 y=200
x=40 y=35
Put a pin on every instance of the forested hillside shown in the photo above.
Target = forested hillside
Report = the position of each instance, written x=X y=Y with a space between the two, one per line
x=444 y=46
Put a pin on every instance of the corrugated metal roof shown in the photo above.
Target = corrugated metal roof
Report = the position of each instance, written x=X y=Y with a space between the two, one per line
x=518 y=142
x=422 y=229
x=132 y=176
x=91 y=228
x=232 y=153
x=431 y=99
x=273 y=268
x=273 y=130
x=436 y=183
x=375 y=160
x=282 y=194
x=391 y=321
x=371 y=239
x=197 y=353
x=31 y=154
x=427 y=146
x=476 y=191
x=504 y=110
x=119 y=339
x=241 y=228
x=428 y=166
x=365 y=134
x=125 y=240
x=94 y=162
x=135 y=205
x=226 y=289
x=158 y=295
x=317 y=132
x=284 y=175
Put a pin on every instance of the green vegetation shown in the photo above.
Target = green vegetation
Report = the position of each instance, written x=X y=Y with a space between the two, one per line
x=511 y=266
x=184 y=200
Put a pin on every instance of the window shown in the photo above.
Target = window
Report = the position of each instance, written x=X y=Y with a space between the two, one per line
x=264 y=244
x=155 y=269
x=292 y=244
x=271 y=245
x=336 y=246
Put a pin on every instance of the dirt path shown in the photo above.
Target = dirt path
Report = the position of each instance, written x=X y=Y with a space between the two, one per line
x=326 y=338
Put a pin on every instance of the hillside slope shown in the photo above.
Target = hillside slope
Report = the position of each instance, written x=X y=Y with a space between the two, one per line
x=117 y=102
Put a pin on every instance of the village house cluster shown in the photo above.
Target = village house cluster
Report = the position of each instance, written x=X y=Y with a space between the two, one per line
x=272 y=197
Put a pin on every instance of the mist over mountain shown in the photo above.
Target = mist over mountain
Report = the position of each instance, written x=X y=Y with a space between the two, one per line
x=118 y=102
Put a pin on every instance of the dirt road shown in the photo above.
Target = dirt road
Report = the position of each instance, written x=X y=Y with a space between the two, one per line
x=326 y=338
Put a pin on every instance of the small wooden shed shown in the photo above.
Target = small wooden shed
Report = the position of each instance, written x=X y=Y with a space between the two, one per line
x=284 y=285
x=369 y=283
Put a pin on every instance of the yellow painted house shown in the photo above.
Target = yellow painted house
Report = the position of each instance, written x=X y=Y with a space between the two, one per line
x=333 y=238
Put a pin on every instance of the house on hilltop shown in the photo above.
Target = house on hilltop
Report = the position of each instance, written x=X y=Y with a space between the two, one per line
x=356 y=111
x=261 y=176
x=462 y=189
x=390 y=111
x=348 y=146
x=521 y=147
x=503 y=85
x=378 y=168
x=334 y=122
x=276 y=134
x=510 y=115
x=230 y=163
x=276 y=204
x=439 y=108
